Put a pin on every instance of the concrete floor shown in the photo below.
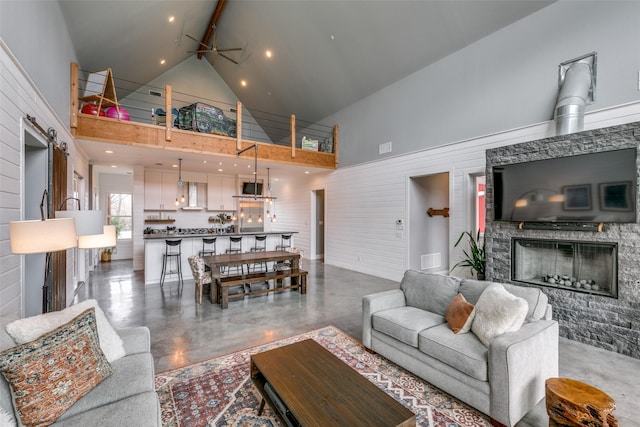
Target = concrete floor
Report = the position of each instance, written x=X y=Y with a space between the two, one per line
x=183 y=332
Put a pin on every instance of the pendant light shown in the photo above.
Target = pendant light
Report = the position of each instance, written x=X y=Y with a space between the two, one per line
x=180 y=183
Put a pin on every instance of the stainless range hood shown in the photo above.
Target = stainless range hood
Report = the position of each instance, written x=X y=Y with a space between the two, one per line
x=193 y=198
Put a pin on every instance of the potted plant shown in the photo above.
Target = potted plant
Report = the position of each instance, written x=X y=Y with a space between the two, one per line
x=105 y=255
x=474 y=255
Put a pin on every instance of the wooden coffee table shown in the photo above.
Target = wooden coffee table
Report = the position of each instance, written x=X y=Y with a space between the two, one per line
x=320 y=390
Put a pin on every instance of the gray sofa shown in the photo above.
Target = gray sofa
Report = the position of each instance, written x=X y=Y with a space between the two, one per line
x=504 y=380
x=126 y=398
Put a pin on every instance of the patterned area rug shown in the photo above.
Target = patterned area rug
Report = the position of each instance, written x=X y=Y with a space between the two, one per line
x=219 y=392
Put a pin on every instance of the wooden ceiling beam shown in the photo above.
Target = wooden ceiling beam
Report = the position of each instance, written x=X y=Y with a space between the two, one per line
x=214 y=20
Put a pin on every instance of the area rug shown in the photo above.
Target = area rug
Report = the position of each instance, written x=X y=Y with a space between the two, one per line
x=219 y=392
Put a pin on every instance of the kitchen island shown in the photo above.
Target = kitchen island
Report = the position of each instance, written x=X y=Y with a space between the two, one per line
x=154 y=247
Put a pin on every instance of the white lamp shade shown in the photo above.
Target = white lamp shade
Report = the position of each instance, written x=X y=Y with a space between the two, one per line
x=105 y=240
x=37 y=236
x=87 y=222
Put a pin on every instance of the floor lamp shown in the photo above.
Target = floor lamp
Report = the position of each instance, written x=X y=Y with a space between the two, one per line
x=43 y=236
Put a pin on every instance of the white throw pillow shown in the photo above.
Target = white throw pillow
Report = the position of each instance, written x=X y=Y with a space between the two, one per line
x=6 y=419
x=30 y=328
x=496 y=312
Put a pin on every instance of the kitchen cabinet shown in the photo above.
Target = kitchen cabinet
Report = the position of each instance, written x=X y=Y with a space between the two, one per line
x=160 y=190
x=220 y=192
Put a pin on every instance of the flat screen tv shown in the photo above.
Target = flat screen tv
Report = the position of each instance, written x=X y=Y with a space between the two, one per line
x=251 y=188
x=595 y=188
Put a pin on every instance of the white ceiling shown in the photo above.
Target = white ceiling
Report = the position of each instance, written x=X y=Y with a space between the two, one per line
x=326 y=54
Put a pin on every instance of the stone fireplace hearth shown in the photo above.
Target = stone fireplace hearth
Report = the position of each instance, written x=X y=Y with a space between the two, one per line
x=606 y=312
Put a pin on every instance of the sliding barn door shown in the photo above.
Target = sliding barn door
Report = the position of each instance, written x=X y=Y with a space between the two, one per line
x=59 y=259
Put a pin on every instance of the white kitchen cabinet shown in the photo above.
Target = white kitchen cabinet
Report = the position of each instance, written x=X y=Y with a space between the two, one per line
x=160 y=190
x=220 y=192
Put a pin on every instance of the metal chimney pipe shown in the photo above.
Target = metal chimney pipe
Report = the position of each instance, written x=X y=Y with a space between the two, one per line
x=573 y=96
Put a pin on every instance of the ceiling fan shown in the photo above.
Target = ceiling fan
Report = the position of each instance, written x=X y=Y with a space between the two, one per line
x=213 y=49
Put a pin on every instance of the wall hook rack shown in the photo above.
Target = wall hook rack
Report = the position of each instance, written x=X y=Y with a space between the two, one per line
x=444 y=212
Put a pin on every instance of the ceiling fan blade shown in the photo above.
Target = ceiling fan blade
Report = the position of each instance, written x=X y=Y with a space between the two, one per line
x=231 y=49
x=226 y=57
x=198 y=41
x=198 y=51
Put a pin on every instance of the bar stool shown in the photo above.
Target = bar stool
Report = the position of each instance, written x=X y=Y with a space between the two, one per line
x=260 y=245
x=235 y=247
x=172 y=251
x=285 y=242
x=285 y=245
x=208 y=246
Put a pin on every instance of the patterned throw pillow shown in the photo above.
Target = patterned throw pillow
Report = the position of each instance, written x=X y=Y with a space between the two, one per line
x=48 y=375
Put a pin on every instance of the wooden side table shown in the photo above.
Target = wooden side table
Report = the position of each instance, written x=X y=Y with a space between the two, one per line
x=573 y=403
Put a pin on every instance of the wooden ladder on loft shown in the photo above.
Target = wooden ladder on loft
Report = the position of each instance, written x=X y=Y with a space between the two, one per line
x=101 y=90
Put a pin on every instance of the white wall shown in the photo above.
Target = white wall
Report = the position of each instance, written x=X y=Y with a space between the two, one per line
x=507 y=80
x=36 y=33
x=364 y=201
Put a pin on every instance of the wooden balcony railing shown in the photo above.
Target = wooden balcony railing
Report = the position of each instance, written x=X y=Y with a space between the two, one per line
x=125 y=132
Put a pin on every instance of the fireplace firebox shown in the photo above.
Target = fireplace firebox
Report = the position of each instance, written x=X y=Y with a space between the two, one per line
x=586 y=267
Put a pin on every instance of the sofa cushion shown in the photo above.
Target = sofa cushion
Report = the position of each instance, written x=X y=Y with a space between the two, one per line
x=463 y=352
x=405 y=323
x=460 y=315
x=497 y=312
x=50 y=374
x=536 y=299
x=140 y=410
x=30 y=328
x=431 y=292
x=132 y=375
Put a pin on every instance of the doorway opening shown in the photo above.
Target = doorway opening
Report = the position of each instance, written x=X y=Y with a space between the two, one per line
x=318 y=224
x=35 y=179
x=429 y=235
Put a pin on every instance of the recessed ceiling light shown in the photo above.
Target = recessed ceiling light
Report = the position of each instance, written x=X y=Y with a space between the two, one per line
x=249 y=166
x=306 y=171
x=219 y=163
x=268 y=53
x=174 y=166
x=172 y=18
x=204 y=161
x=114 y=166
x=220 y=170
x=235 y=164
x=162 y=62
x=108 y=151
x=243 y=83
x=333 y=37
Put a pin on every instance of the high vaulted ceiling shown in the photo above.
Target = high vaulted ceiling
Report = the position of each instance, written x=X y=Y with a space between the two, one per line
x=326 y=54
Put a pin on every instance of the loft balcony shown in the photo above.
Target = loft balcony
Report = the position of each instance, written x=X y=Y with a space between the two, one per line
x=282 y=142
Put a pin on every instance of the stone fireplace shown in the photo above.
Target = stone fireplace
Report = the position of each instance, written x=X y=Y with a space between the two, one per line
x=591 y=274
x=583 y=267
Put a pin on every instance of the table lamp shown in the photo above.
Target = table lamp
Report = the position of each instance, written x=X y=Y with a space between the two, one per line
x=93 y=241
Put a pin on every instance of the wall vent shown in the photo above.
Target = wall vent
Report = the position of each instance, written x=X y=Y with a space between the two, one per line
x=430 y=261
x=384 y=148
x=155 y=93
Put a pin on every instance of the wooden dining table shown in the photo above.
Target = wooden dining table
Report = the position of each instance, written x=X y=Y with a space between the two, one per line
x=217 y=262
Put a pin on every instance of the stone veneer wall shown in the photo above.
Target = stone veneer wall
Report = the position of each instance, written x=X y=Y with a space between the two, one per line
x=609 y=323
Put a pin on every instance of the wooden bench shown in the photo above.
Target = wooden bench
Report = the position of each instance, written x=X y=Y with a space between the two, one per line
x=224 y=283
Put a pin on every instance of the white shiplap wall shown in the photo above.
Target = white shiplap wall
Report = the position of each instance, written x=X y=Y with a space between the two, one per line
x=18 y=97
x=364 y=201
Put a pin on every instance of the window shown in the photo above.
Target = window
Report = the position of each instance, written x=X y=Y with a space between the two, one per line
x=120 y=213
